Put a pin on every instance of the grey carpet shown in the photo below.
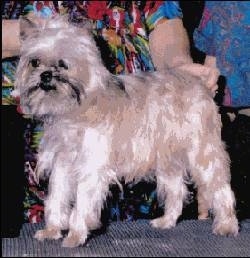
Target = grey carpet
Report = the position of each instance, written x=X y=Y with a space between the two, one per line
x=190 y=238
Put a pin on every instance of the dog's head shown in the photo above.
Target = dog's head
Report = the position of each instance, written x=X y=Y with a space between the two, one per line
x=59 y=65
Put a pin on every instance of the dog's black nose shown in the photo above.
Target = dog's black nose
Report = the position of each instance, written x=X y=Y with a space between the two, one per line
x=46 y=76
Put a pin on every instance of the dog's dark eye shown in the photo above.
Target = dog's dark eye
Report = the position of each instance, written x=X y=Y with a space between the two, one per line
x=62 y=64
x=35 y=62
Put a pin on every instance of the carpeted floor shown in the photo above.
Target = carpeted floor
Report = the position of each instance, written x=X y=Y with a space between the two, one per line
x=190 y=238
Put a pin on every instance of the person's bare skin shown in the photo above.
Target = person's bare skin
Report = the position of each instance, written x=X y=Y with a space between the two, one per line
x=10 y=38
x=169 y=47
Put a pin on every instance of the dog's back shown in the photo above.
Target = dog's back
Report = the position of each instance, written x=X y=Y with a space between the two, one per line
x=155 y=116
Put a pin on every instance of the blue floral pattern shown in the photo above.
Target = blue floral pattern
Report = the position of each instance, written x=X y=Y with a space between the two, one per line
x=224 y=32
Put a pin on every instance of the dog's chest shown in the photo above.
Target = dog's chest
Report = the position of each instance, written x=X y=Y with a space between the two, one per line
x=61 y=136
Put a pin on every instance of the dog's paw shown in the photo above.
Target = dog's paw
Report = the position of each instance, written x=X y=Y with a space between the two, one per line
x=226 y=228
x=48 y=233
x=203 y=216
x=74 y=240
x=162 y=223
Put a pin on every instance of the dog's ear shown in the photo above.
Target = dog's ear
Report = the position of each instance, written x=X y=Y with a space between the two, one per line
x=57 y=22
x=30 y=26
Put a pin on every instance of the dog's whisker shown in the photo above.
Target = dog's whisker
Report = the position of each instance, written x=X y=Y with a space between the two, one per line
x=77 y=93
x=32 y=89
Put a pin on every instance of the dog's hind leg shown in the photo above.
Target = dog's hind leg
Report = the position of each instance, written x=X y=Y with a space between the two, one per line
x=209 y=166
x=172 y=192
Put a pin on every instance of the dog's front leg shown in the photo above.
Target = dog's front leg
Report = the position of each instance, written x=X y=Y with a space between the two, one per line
x=78 y=230
x=92 y=185
x=85 y=216
x=57 y=205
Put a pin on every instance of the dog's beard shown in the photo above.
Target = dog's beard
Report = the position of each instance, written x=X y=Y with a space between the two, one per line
x=59 y=96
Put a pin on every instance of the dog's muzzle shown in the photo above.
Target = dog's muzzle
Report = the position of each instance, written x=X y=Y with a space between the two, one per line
x=46 y=78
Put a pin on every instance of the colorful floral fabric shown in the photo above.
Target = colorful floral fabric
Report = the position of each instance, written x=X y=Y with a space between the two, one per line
x=121 y=30
x=8 y=76
x=224 y=32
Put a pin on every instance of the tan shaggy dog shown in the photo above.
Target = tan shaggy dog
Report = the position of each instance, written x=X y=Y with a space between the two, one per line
x=99 y=128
